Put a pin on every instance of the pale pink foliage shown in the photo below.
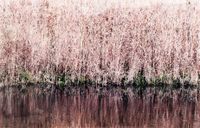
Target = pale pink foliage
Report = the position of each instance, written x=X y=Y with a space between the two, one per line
x=114 y=44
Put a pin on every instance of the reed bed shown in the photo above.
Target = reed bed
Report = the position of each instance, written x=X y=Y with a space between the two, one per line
x=47 y=43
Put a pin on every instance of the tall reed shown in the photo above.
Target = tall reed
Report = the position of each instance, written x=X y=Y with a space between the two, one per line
x=39 y=42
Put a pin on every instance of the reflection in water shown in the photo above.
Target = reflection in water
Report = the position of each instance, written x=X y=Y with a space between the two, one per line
x=56 y=109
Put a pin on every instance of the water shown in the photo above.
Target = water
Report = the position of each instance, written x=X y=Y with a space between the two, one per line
x=33 y=108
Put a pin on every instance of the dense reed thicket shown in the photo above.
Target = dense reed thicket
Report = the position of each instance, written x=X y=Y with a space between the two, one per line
x=45 y=43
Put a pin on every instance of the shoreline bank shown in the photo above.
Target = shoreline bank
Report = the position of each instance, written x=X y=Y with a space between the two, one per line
x=184 y=94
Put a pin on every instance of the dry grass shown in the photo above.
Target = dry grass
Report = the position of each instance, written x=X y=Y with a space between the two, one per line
x=38 y=43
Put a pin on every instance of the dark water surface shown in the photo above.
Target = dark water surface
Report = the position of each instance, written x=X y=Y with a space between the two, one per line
x=41 y=109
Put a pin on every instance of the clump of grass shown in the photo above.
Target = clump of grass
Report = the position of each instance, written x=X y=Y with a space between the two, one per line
x=61 y=81
x=25 y=77
x=159 y=81
x=176 y=83
x=84 y=81
x=46 y=77
x=140 y=81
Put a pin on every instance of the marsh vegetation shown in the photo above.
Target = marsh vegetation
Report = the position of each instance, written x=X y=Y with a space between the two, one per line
x=66 y=65
x=40 y=42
